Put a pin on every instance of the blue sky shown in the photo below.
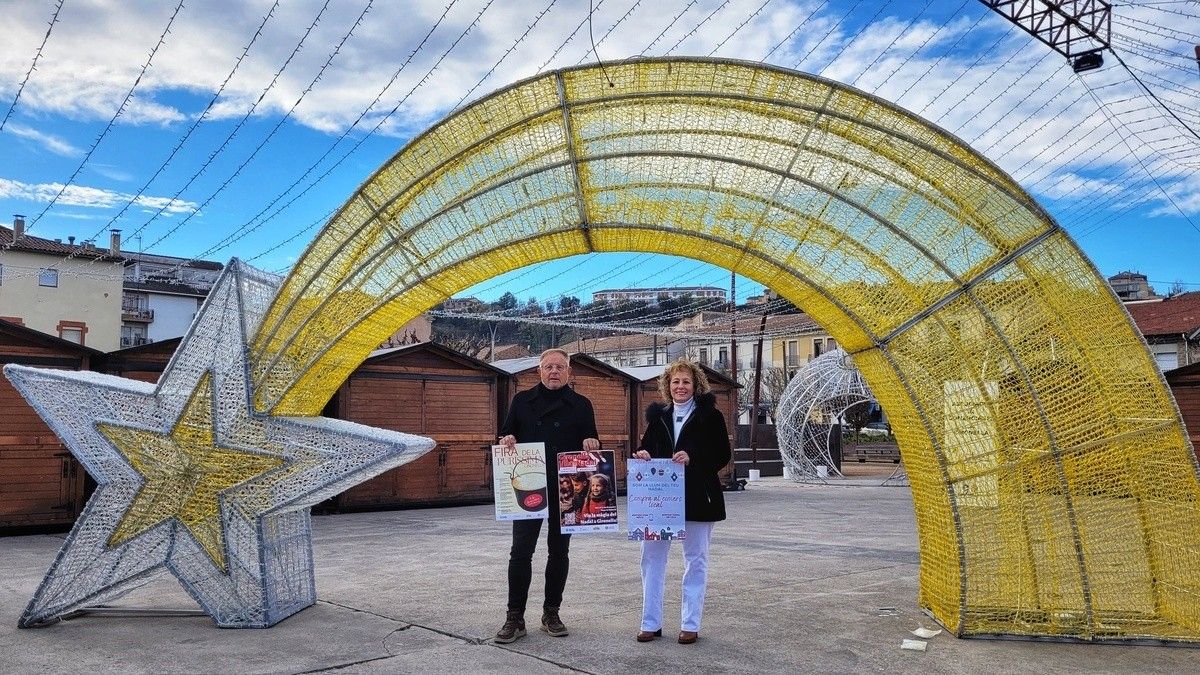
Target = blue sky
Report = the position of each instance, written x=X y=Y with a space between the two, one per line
x=1105 y=159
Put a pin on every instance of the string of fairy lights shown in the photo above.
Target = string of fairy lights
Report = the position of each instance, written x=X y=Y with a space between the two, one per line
x=1131 y=142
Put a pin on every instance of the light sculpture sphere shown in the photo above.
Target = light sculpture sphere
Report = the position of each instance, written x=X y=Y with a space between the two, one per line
x=811 y=410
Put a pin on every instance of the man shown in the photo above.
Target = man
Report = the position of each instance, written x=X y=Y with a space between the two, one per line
x=554 y=414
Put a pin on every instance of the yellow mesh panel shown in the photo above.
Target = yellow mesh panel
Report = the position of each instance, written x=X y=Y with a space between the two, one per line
x=1055 y=491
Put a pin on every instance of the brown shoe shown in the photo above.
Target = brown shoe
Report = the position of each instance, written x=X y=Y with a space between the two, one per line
x=513 y=628
x=552 y=624
x=647 y=636
x=687 y=637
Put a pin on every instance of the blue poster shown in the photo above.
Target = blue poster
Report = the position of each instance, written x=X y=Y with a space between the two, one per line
x=655 y=500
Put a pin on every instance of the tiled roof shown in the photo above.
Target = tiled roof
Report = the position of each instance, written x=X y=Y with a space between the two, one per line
x=32 y=244
x=1172 y=316
x=613 y=343
x=164 y=287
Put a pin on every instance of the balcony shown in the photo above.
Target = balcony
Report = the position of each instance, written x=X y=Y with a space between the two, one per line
x=139 y=314
x=134 y=341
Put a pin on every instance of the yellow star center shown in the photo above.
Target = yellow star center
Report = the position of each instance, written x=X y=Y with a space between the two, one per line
x=185 y=472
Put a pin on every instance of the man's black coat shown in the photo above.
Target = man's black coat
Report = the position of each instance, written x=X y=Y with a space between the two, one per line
x=561 y=418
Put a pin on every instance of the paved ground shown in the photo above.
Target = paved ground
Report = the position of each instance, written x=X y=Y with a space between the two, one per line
x=803 y=579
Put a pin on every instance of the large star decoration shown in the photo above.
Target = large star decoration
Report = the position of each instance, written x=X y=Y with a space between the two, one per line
x=191 y=479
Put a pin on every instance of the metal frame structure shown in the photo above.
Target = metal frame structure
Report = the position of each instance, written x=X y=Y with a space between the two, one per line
x=191 y=481
x=1063 y=25
x=1055 y=490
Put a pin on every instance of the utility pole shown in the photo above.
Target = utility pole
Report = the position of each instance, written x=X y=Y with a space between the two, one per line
x=732 y=307
x=762 y=329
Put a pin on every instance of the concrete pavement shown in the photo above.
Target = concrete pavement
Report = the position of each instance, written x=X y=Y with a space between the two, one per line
x=802 y=579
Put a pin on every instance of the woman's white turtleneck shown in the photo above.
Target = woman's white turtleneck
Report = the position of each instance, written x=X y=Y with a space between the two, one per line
x=680 y=412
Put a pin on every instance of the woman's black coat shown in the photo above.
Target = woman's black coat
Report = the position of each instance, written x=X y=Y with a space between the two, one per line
x=705 y=438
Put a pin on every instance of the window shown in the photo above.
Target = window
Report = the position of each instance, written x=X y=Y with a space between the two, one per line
x=1 y=274
x=48 y=277
x=723 y=357
x=73 y=331
x=1165 y=356
x=133 y=335
x=818 y=347
x=830 y=344
x=704 y=355
x=793 y=353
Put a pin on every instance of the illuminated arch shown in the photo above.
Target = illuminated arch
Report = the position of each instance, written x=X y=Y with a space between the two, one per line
x=1055 y=490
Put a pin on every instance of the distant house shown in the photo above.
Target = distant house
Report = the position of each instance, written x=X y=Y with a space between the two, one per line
x=1171 y=327
x=70 y=291
x=1131 y=286
x=630 y=349
x=468 y=304
x=653 y=294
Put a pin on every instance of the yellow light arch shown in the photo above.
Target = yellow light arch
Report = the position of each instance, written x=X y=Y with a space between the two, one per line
x=1055 y=491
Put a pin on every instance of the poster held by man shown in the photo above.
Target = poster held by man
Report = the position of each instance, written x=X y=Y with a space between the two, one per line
x=587 y=492
x=519 y=481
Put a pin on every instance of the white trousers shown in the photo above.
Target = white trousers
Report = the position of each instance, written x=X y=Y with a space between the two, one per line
x=695 y=577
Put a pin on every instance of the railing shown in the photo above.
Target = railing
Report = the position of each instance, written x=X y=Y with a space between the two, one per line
x=137 y=314
x=134 y=341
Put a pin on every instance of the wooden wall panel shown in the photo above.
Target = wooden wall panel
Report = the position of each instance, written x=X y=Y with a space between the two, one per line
x=41 y=483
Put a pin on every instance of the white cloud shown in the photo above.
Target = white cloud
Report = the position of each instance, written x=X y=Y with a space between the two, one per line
x=979 y=79
x=89 y=197
x=54 y=144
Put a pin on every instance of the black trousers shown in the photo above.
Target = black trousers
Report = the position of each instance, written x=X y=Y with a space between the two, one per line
x=520 y=564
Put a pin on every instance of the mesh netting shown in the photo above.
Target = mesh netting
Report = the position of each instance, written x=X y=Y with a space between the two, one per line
x=812 y=409
x=191 y=480
x=1055 y=491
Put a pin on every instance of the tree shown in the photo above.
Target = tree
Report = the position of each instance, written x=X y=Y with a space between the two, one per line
x=774 y=382
x=568 y=304
x=507 y=301
x=857 y=416
x=467 y=343
x=1176 y=288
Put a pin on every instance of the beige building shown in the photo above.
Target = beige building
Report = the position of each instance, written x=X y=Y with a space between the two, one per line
x=66 y=290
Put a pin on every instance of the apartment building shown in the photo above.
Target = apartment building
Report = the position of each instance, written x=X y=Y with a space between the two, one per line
x=68 y=290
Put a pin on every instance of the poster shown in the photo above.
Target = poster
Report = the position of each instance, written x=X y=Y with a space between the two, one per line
x=519 y=481
x=656 y=500
x=587 y=492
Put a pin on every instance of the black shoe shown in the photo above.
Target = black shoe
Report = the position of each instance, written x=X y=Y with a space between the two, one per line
x=552 y=624
x=513 y=628
x=647 y=636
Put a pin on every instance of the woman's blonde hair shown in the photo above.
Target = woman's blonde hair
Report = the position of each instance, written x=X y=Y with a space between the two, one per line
x=699 y=380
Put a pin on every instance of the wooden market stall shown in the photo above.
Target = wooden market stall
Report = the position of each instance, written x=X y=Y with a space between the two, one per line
x=1185 y=385
x=723 y=387
x=430 y=390
x=143 y=362
x=41 y=484
x=609 y=389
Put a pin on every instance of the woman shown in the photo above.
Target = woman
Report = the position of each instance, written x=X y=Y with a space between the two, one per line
x=692 y=432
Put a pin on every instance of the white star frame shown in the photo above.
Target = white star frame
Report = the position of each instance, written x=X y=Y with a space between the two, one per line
x=191 y=479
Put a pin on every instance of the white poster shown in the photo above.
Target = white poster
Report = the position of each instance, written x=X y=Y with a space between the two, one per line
x=656 y=507
x=519 y=481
